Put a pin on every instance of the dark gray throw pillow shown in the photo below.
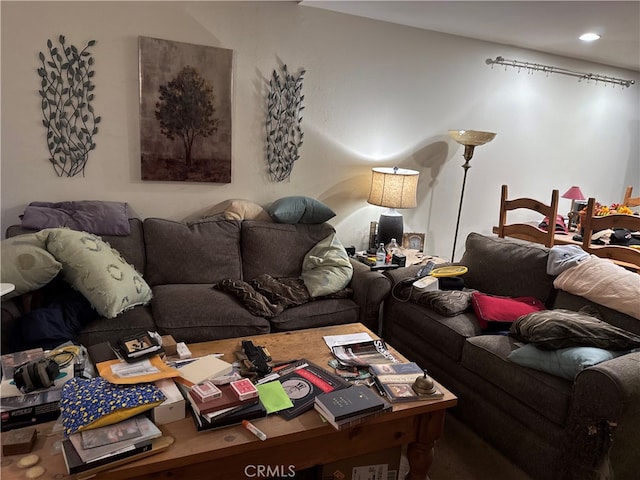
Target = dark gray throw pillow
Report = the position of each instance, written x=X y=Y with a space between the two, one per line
x=448 y=303
x=559 y=328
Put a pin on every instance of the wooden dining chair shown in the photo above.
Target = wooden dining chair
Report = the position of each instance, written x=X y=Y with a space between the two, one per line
x=628 y=257
x=525 y=231
x=630 y=201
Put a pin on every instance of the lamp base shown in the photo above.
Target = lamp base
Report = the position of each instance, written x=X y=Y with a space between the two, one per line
x=390 y=226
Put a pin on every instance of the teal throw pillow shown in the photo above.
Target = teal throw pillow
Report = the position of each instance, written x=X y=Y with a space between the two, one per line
x=564 y=362
x=299 y=209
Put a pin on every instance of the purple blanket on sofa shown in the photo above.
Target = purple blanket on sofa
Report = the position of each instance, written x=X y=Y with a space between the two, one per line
x=93 y=216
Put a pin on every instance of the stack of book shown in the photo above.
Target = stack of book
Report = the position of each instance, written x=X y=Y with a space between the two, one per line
x=395 y=381
x=19 y=409
x=350 y=406
x=236 y=401
x=97 y=447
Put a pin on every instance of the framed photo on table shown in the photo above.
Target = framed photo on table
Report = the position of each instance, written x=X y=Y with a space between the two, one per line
x=414 y=241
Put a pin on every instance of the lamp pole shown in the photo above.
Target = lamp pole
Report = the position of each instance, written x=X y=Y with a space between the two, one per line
x=470 y=139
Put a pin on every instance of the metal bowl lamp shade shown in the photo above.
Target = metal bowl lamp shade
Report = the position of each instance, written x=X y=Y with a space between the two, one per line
x=392 y=188
x=470 y=139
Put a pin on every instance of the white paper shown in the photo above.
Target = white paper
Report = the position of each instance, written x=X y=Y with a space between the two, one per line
x=125 y=370
x=333 y=340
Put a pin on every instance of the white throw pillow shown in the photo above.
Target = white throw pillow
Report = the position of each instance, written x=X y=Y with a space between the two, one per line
x=326 y=268
x=97 y=271
x=26 y=264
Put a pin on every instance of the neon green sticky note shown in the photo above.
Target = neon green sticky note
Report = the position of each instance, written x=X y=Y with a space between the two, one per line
x=273 y=396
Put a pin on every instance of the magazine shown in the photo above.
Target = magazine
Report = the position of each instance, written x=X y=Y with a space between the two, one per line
x=363 y=354
x=396 y=381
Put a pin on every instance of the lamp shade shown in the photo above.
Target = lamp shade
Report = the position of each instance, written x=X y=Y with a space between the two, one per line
x=574 y=193
x=471 y=137
x=394 y=187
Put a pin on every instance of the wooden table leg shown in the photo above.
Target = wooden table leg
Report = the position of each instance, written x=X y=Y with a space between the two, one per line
x=420 y=453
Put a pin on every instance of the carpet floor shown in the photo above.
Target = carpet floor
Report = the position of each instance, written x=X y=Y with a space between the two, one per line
x=462 y=455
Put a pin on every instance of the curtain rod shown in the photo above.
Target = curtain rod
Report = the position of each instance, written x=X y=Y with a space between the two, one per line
x=549 y=69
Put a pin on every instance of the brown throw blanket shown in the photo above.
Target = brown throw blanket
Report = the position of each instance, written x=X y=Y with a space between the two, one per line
x=266 y=296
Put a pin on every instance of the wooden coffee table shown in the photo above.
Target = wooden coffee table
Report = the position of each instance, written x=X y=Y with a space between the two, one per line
x=306 y=441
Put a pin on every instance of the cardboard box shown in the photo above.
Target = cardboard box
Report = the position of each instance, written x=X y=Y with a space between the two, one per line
x=173 y=408
x=169 y=345
x=382 y=465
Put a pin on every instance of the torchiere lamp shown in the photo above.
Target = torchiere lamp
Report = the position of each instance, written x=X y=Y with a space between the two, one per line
x=470 y=139
x=573 y=194
x=393 y=188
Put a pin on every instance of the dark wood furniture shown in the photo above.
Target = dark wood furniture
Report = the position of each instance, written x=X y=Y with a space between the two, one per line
x=526 y=231
x=302 y=442
x=618 y=253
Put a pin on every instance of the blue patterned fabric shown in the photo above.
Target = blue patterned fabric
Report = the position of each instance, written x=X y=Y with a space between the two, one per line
x=85 y=402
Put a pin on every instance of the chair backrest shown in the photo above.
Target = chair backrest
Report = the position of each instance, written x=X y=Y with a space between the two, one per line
x=526 y=231
x=630 y=201
x=621 y=254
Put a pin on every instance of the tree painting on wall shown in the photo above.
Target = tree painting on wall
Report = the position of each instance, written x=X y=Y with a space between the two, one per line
x=185 y=111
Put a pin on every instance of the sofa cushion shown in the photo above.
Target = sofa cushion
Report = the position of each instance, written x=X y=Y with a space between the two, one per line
x=193 y=312
x=552 y=329
x=563 y=362
x=317 y=313
x=277 y=249
x=487 y=356
x=97 y=271
x=203 y=252
x=26 y=264
x=101 y=330
x=300 y=209
x=326 y=268
x=507 y=267
x=447 y=334
x=490 y=308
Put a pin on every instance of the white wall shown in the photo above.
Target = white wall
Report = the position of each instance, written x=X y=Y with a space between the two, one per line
x=376 y=94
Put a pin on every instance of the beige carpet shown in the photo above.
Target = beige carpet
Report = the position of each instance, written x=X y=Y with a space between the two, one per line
x=462 y=455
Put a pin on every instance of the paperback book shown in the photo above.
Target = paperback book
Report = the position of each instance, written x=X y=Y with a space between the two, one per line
x=396 y=381
x=363 y=354
x=232 y=416
x=110 y=439
x=304 y=383
x=75 y=464
x=350 y=406
x=201 y=369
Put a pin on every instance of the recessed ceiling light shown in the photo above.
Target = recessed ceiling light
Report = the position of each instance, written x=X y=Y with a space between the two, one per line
x=589 y=37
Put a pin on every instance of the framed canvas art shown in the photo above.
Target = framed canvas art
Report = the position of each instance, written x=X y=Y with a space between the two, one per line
x=185 y=111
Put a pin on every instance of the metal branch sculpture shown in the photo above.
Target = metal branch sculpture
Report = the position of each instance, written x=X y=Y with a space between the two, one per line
x=284 y=133
x=66 y=93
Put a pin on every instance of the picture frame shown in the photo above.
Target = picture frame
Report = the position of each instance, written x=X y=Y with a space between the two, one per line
x=197 y=81
x=413 y=241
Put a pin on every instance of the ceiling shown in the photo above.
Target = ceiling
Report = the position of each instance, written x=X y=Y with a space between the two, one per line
x=547 y=26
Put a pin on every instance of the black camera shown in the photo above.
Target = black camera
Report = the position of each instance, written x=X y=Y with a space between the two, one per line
x=36 y=375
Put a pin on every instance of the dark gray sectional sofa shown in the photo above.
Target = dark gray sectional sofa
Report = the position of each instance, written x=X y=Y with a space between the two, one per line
x=551 y=427
x=181 y=262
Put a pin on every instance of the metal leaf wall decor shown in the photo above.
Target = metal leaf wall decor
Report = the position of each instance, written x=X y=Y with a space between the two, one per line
x=66 y=93
x=284 y=133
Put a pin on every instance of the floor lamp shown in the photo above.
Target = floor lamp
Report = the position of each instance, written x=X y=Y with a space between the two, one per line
x=393 y=188
x=470 y=139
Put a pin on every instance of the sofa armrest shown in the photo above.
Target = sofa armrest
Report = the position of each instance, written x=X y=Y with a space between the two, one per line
x=370 y=288
x=604 y=419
